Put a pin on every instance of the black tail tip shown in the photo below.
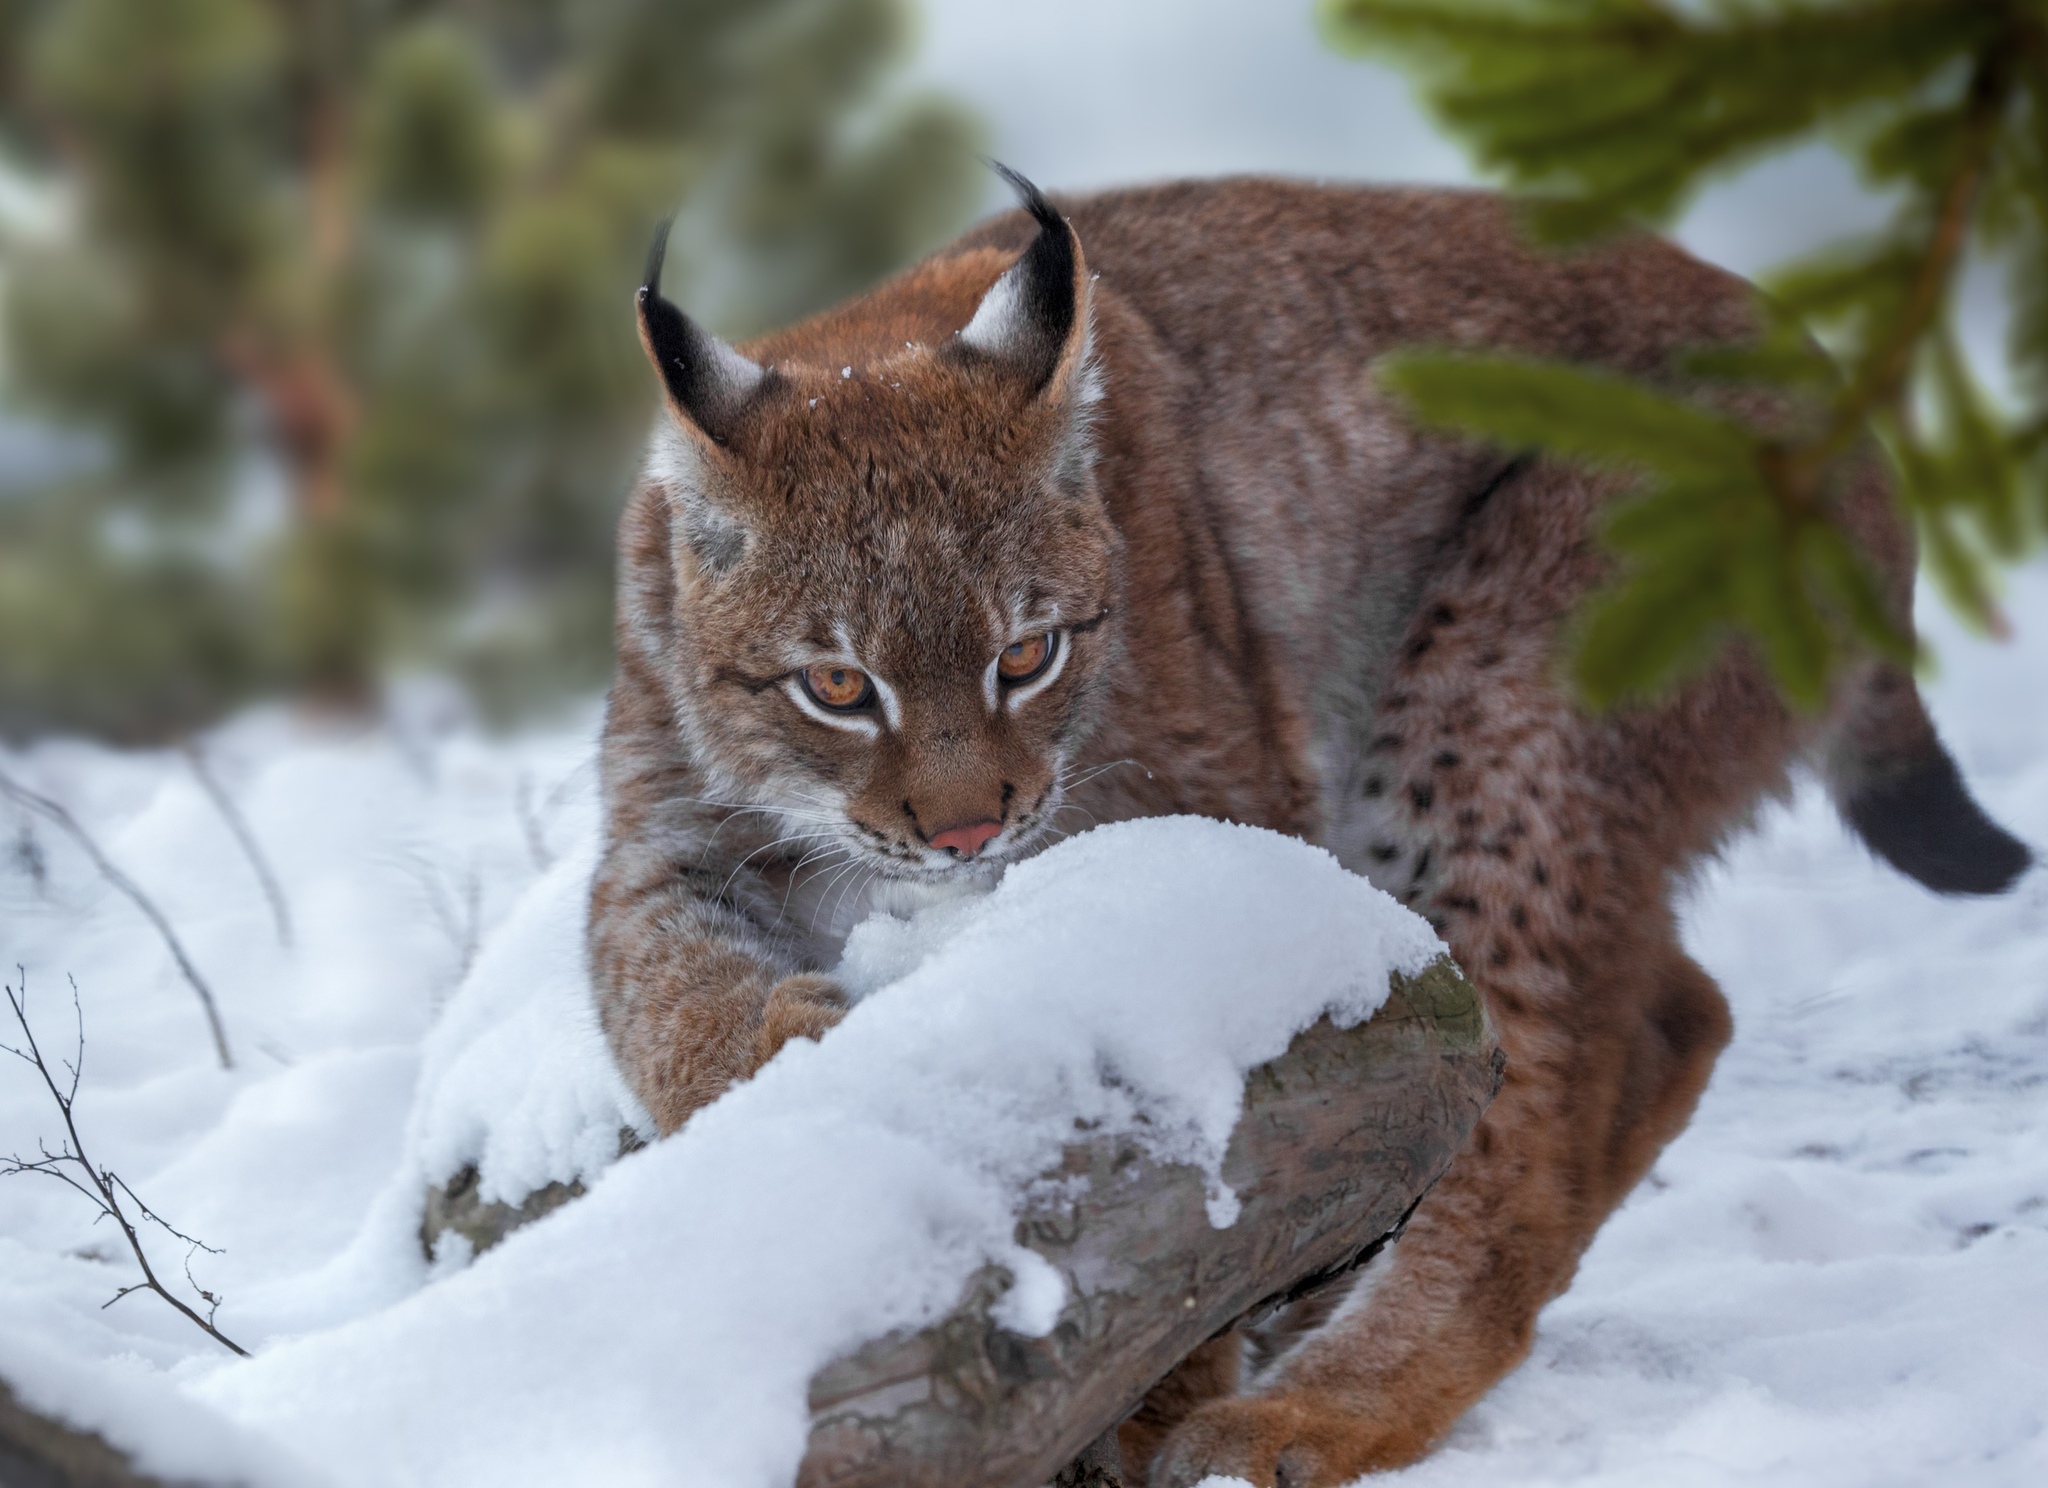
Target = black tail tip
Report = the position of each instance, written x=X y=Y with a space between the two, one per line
x=1925 y=824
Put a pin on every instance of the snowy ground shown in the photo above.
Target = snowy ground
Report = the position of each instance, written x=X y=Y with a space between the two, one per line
x=1839 y=1274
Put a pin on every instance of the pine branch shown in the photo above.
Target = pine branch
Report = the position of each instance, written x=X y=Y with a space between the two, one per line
x=51 y=811
x=1881 y=382
x=1620 y=109
x=393 y=233
x=103 y=1187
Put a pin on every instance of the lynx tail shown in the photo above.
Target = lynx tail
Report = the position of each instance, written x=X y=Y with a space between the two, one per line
x=1898 y=788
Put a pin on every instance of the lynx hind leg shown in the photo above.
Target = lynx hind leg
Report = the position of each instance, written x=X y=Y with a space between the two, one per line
x=1453 y=1305
x=1542 y=843
x=1209 y=1373
x=1214 y=1372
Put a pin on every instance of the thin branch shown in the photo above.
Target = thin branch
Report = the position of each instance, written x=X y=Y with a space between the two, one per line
x=157 y=1219
x=212 y=1299
x=238 y=825
x=533 y=815
x=529 y=823
x=102 y=1186
x=49 y=809
x=1884 y=375
x=28 y=856
x=552 y=802
x=462 y=925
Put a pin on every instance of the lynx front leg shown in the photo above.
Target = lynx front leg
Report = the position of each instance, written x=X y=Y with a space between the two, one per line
x=692 y=997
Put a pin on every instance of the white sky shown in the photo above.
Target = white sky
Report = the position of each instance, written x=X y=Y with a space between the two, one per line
x=1086 y=93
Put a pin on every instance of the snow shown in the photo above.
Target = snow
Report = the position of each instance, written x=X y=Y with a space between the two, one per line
x=676 y=1314
x=665 y=1327
x=1832 y=1277
x=516 y=1078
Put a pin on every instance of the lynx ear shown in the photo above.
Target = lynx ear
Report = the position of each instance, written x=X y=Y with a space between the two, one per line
x=1035 y=317
x=708 y=383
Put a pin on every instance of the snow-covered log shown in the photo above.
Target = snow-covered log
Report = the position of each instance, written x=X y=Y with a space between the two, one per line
x=1338 y=1139
x=1071 y=1049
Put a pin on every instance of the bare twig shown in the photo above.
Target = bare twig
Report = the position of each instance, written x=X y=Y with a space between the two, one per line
x=554 y=798
x=529 y=823
x=533 y=815
x=103 y=1187
x=49 y=809
x=459 y=913
x=28 y=857
x=238 y=825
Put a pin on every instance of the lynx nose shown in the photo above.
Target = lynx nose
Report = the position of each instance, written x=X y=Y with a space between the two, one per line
x=965 y=842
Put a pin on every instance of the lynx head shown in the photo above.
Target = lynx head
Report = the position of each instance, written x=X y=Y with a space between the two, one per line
x=888 y=575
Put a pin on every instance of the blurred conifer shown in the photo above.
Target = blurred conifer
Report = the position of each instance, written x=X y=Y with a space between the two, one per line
x=340 y=291
x=1609 y=113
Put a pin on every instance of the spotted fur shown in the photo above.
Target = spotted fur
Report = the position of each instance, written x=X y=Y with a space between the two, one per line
x=1283 y=604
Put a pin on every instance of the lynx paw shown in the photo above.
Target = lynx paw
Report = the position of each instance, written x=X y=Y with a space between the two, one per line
x=801 y=1006
x=1277 y=1441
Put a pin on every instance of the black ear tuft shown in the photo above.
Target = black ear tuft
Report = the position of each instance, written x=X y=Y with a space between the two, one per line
x=657 y=255
x=1029 y=316
x=706 y=380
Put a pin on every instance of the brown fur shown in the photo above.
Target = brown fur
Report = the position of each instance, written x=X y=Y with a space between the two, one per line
x=1301 y=612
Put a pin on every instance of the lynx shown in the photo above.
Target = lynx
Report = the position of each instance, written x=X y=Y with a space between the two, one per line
x=1099 y=513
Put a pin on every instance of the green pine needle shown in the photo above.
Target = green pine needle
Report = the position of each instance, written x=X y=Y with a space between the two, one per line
x=1599 y=417
x=1606 y=113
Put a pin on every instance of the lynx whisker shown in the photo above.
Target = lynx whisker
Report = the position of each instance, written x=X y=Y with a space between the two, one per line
x=838 y=874
x=741 y=865
x=823 y=815
x=1065 y=806
x=712 y=841
x=796 y=871
x=829 y=907
x=821 y=810
x=1068 y=783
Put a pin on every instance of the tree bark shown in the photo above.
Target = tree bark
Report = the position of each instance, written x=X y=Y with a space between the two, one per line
x=1340 y=1137
x=36 y=1452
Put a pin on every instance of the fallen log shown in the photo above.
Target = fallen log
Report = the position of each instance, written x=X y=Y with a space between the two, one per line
x=1339 y=1139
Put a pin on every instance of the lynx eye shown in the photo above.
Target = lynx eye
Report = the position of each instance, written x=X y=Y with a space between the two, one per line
x=843 y=689
x=1025 y=659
